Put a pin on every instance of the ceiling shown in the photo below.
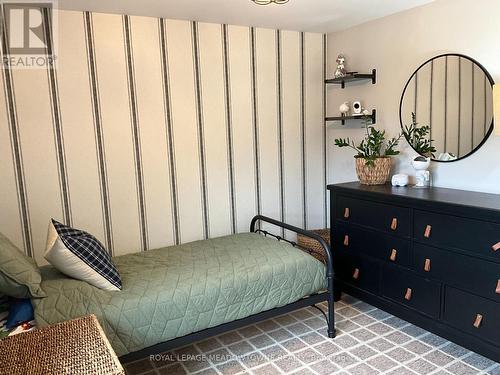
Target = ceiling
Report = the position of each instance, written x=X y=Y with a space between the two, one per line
x=302 y=15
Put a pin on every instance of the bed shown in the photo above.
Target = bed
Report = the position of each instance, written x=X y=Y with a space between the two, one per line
x=180 y=294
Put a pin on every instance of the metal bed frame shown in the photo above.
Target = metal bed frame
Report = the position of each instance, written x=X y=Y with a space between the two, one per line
x=311 y=300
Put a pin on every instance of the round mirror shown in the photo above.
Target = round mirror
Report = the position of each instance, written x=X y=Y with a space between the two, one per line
x=446 y=109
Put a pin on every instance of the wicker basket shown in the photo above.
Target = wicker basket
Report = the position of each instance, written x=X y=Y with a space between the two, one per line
x=76 y=347
x=373 y=175
x=314 y=247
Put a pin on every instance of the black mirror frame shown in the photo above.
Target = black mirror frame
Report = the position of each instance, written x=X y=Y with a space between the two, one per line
x=487 y=74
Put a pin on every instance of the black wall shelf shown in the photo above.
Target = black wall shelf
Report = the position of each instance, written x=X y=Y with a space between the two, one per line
x=354 y=77
x=343 y=119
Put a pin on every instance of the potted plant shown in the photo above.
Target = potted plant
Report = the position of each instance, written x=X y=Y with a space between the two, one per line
x=419 y=138
x=373 y=158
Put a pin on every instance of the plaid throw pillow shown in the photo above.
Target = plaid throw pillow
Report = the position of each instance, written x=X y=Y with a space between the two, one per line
x=80 y=255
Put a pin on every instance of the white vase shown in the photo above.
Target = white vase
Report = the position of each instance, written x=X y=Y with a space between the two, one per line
x=422 y=175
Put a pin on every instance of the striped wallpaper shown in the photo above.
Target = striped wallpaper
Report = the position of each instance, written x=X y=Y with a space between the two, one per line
x=152 y=132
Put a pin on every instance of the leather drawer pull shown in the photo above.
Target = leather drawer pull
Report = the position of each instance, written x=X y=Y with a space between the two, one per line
x=427 y=265
x=355 y=274
x=394 y=224
x=427 y=232
x=408 y=294
x=346 y=213
x=478 y=321
x=394 y=254
x=346 y=240
x=496 y=246
x=497 y=291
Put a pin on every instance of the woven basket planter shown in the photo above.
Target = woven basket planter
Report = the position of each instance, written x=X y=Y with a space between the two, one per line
x=314 y=247
x=373 y=175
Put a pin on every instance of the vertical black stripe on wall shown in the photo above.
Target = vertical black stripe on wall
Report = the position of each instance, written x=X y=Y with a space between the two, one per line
x=99 y=135
x=201 y=139
x=416 y=93
x=459 y=102
x=325 y=157
x=280 y=129
x=445 y=102
x=255 y=118
x=229 y=126
x=169 y=130
x=430 y=99
x=56 y=120
x=136 y=133
x=485 y=106
x=303 y=128
x=15 y=142
x=473 y=109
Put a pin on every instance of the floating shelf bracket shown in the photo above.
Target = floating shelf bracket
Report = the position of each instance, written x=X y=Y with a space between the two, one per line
x=353 y=78
x=343 y=119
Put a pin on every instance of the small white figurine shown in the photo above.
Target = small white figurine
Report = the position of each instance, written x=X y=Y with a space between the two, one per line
x=399 y=180
x=341 y=70
x=344 y=109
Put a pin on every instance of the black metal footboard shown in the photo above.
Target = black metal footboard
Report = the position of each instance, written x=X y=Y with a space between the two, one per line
x=330 y=315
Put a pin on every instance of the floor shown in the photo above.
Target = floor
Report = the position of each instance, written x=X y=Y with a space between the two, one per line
x=369 y=341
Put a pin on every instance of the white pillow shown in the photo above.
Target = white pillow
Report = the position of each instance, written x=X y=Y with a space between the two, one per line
x=80 y=255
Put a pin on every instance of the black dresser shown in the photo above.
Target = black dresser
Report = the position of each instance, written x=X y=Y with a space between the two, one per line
x=429 y=256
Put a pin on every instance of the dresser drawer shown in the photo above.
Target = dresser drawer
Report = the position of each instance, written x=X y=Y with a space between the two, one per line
x=472 y=274
x=359 y=272
x=474 y=236
x=411 y=290
x=350 y=239
x=391 y=219
x=472 y=314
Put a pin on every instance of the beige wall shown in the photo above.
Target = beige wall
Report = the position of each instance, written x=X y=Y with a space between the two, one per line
x=186 y=132
x=396 y=46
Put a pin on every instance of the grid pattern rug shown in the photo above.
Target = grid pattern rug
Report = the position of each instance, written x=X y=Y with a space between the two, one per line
x=369 y=341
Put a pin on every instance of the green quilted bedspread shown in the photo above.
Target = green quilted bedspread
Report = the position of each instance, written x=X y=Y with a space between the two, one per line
x=177 y=290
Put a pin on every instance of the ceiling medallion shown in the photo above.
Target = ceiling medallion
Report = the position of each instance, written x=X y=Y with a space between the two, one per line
x=267 y=2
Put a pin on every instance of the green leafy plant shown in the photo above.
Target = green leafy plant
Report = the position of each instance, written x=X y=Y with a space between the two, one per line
x=373 y=146
x=418 y=137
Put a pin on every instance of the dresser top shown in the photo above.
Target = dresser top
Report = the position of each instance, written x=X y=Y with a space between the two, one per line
x=433 y=194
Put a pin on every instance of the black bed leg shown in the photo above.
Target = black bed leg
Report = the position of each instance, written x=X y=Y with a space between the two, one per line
x=337 y=292
x=331 y=308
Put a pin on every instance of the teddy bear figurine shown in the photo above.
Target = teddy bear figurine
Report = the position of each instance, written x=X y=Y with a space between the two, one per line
x=344 y=109
x=341 y=70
